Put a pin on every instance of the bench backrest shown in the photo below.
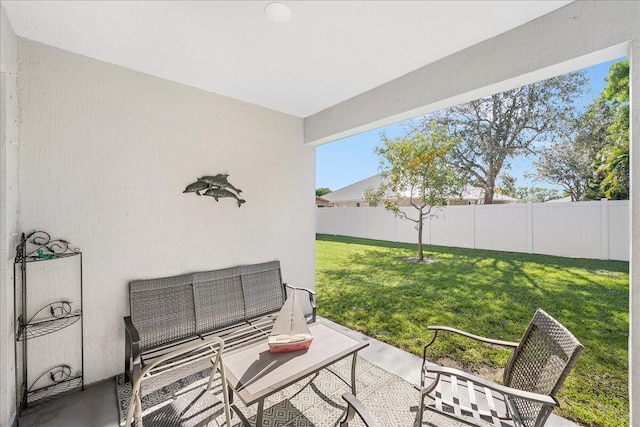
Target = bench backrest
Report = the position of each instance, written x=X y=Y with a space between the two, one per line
x=167 y=309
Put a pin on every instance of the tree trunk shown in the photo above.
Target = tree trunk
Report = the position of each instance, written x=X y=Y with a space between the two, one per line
x=490 y=188
x=420 y=225
x=488 y=196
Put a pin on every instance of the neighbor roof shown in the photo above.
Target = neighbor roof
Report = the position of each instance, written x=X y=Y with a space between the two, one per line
x=356 y=191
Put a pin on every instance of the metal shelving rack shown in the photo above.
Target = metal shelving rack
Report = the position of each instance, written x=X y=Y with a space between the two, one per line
x=38 y=247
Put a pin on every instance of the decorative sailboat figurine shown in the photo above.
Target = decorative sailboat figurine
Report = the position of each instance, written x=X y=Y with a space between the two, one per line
x=290 y=331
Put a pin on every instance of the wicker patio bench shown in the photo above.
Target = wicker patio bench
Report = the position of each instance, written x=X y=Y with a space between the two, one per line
x=238 y=304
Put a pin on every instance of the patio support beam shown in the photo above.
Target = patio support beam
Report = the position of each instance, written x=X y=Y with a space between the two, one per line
x=9 y=195
x=578 y=35
x=634 y=265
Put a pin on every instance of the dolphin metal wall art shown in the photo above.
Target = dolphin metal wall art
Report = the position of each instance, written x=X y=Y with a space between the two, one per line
x=216 y=186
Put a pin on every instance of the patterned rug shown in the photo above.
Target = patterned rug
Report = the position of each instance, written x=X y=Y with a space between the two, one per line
x=315 y=401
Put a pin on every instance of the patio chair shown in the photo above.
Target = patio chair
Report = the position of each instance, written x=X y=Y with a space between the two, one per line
x=190 y=405
x=538 y=366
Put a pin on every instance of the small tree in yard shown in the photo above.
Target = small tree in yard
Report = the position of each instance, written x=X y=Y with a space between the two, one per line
x=415 y=170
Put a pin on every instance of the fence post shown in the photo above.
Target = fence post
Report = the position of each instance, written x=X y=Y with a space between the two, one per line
x=604 y=229
x=367 y=212
x=473 y=224
x=530 y=227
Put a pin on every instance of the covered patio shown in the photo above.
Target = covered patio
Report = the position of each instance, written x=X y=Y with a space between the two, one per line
x=108 y=110
x=97 y=405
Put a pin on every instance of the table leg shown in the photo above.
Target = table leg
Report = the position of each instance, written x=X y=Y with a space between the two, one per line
x=237 y=411
x=348 y=416
x=243 y=419
x=353 y=373
x=260 y=413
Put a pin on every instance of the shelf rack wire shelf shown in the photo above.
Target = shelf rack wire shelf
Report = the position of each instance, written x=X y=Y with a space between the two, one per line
x=62 y=316
x=62 y=381
x=54 y=316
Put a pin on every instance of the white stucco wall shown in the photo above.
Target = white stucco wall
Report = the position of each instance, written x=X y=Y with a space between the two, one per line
x=8 y=210
x=106 y=153
x=8 y=44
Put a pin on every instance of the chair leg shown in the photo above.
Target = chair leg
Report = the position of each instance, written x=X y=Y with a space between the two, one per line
x=354 y=406
x=134 y=413
x=217 y=365
x=225 y=394
x=128 y=376
x=348 y=416
x=421 y=409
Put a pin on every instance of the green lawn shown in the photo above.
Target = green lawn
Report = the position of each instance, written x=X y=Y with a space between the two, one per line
x=368 y=286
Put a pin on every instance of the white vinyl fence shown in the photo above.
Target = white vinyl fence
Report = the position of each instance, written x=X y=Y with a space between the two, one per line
x=598 y=229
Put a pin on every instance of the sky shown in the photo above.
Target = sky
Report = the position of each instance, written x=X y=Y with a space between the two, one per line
x=352 y=159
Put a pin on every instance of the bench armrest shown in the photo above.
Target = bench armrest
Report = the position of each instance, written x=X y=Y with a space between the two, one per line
x=354 y=406
x=131 y=330
x=132 y=359
x=312 y=299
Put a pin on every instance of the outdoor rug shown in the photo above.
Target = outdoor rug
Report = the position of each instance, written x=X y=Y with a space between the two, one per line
x=314 y=401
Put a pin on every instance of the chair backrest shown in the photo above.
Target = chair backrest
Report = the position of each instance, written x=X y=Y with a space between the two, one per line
x=541 y=362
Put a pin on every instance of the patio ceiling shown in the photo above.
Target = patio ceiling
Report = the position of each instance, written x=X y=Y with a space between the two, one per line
x=329 y=51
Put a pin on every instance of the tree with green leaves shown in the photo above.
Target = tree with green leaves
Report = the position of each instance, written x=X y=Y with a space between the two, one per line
x=614 y=163
x=507 y=185
x=415 y=171
x=525 y=194
x=322 y=191
x=536 y=194
x=568 y=165
x=573 y=162
x=494 y=129
x=595 y=162
x=592 y=136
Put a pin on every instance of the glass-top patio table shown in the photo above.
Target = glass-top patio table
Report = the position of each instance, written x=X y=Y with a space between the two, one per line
x=254 y=373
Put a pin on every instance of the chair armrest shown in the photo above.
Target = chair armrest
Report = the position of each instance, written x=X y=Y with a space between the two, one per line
x=353 y=404
x=484 y=340
x=436 y=329
x=507 y=391
x=474 y=337
x=132 y=360
x=312 y=298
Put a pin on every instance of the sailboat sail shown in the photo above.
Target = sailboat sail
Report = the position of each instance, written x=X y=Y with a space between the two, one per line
x=290 y=331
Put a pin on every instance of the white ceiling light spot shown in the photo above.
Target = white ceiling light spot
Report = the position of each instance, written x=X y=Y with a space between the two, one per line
x=277 y=12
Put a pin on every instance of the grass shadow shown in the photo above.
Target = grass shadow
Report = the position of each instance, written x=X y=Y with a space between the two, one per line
x=368 y=286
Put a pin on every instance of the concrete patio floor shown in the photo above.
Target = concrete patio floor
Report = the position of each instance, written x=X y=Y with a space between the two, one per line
x=97 y=405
